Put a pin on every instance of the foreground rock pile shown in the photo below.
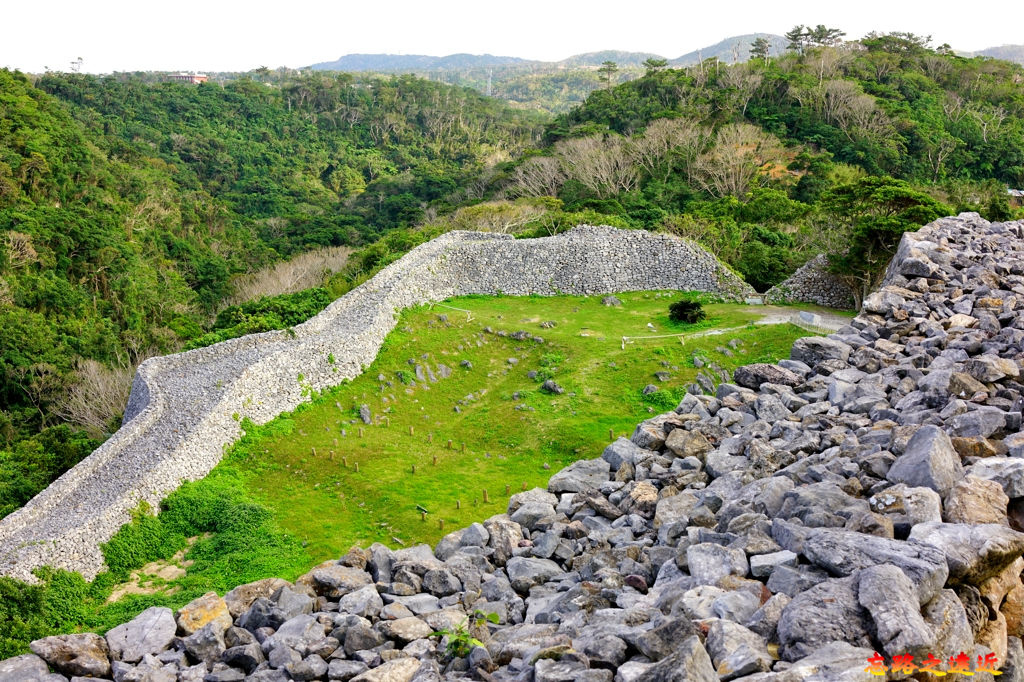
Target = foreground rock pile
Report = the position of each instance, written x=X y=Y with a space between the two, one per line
x=863 y=496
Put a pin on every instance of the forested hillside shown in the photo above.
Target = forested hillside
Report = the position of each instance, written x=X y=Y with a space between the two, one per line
x=126 y=210
x=831 y=145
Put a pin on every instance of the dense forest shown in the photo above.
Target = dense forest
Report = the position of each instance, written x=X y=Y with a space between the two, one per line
x=128 y=209
x=131 y=210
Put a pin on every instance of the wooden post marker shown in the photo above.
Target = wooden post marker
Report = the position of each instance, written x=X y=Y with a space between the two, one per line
x=357 y=467
x=414 y=468
x=440 y=524
x=360 y=431
x=387 y=421
x=485 y=496
x=430 y=438
x=449 y=446
x=435 y=460
x=458 y=504
x=524 y=486
x=410 y=430
x=463 y=447
x=423 y=516
x=313 y=450
x=611 y=434
x=508 y=489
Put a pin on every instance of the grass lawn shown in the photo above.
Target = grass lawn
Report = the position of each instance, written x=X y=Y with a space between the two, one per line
x=507 y=433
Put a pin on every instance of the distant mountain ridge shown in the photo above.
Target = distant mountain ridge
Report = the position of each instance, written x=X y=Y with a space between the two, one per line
x=1010 y=53
x=729 y=50
x=732 y=49
x=414 y=62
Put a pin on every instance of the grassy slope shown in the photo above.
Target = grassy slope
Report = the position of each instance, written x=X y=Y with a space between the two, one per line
x=329 y=506
x=272 y=508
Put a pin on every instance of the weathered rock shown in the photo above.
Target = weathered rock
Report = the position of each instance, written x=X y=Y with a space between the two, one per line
x=976 y=500
x=25 y=668
x=688 y=663
x=241 y=598
x=827 y=612
x=150 y=632
x=892 y=603
x=844 y=552
x=687 y=443
x=405 y=629
x=736 y=651
x=83 y=654
x=209 y=608
x=929 y=461
x=973 y=552
x=399 y=670
x=580 y=476
x=752 y=376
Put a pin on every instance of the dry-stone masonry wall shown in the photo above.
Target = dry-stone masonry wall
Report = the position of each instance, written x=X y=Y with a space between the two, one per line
x=185 y=408
x=812 y=283
x=860 y=500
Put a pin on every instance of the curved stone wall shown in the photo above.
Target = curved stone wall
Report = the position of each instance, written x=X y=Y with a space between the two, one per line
x=812 y=283
x=185 y=409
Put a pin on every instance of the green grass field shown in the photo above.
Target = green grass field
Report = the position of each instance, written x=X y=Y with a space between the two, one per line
x=288 y=494
x=303 y=465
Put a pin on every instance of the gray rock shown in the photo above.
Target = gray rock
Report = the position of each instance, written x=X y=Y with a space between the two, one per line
x=891 y=600
x=762 y=565
x=441 y=582
x=688 y=663
x=843 y=552
x=827 y=612
x=525 y=572
x=812 y=350
x=24 y=668
x=973 y=552
x=752 y=376
x=335 y=580
x=736 y=651
x=364 y=602
x=298 y=633
x=549 y=386
x=579 y=476
x=661 y=640
x=709 y=563
x=611 y=301
x=1006 y=471
x=928 y=461
x=344 y=670
x=82 y=654
x=309 y=668
x=207 y=643
x=150 y=632
x=246 y=656
x=365 y=415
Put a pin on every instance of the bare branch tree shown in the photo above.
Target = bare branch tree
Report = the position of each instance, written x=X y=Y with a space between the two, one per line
x=539 y=176
x=601 y=164
x=667 y=141
x=741 y=153
x=98 y=395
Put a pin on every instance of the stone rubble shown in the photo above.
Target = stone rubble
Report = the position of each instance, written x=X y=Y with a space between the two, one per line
x=775 y=531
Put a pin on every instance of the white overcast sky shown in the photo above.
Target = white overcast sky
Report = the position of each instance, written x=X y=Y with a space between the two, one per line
x=130 y=35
